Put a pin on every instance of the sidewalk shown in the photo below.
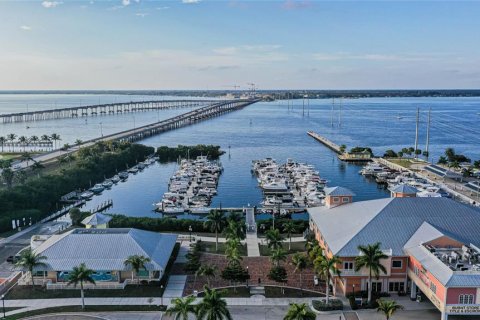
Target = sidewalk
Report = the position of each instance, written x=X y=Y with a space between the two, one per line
x=253 y=249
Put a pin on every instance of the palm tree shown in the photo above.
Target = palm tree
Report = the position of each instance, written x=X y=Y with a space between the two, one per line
x=370 y=257
x=300 y=311
x=136 y=262
x=324 y=266
x=234 y=229
x=3 y=140
x=11 y=137
x=289 y=228
x=26 y=156
x=213 y=306
x=30 y=260
x=388 y=307
x=277 y=256
x=208 y=271
x=78 y=142
x=215 y=222
x=299 y=260
x=55 y=137
x=81 y=274
x=274 y=238
x=34 y=140
x=182 y=308
x=23 y=141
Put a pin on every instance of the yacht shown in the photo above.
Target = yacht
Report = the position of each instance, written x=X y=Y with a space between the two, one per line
x=97 y=188
x=133 y=170
x=116 y=179
x=123 y=175
x=87 y=195
x=107 y=184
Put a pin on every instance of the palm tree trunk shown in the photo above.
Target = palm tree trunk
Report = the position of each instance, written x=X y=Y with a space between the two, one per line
x=31 y=276
x=216 y=241
x=369 y=299
x=290 y=243
x=82 y=295
x=328 y=288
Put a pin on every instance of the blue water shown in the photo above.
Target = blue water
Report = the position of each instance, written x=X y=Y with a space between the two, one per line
x=270 y=130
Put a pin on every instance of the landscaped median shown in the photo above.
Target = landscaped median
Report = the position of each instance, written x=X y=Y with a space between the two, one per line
x=93 y=308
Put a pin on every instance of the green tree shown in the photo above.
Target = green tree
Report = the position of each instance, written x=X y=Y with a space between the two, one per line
x=442 y=160
x=76 y=216
x=78 y=142
x=34 y=140
x=325 y=266
x=450 y=154
x=390 y=154
x=81 y=274
x=371 y=258
x=300 y=311
x=289 y=228
x=213 y=306
x=20 y=176
x=476 y=164
x=234 y=229
x=7 y=177
x=278 y=255
x=388 y=307
x=235 y=273
x=418 y=152
x=182 y=308
x=208 y=271
x=343 y=148
x=274 y=238
x=26 y=156
x=3 y=140
x=30 y=260
x=454 y=165
x=400 y=154
x=11 y=137
x=23 y=141
x=215 y=222
x=278 y=274
x=299 y=260
x=136 y=262
x=55 y=137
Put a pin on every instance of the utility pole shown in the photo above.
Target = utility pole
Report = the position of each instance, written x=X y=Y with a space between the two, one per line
x=303 y=106
x=416 y=133
x=428 y=133
x=331 y=114
x=340 y=113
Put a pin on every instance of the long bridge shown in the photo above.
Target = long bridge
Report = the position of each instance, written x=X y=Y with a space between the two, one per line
x=101 y=109
x=213 y=110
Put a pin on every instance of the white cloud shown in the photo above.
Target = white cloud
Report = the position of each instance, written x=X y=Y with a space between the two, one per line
x=51 y=4
x=162 y=8
x=26 y=28
x=372 y=57
x=125 y=2
x=190 y=1
x=141 y=14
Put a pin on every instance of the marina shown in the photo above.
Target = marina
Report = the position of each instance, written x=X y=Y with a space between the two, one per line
x=290 y=187
x=192 y=187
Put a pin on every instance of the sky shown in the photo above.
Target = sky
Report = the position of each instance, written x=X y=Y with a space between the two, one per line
x=201 y=44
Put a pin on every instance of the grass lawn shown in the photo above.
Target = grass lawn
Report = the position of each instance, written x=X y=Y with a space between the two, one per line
x=296 y=247
x=87 y=309
x=26 y=292
x=406 y=163
x=270 y=292
x=210 y=248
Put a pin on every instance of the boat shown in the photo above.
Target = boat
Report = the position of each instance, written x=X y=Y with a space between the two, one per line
x=107 y=184
x=173 y=210
x=133 y=170
x=141 y=166
x=200 y=210
x=87 y=195
x=123 y=175
x=97 y=188
x=116 y=179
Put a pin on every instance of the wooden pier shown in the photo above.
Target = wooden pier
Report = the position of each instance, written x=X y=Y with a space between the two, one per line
x=102 y=206
x=102 y=109
x=363 y=156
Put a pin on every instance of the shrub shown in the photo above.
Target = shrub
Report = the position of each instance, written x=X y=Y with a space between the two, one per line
x=353 y=302
x=166 y=154
x=333 y=304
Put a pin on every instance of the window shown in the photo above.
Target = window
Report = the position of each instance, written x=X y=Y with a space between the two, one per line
x=348 y=265
x=376 y=286
x=345 y=199
x=396 y=264
x=465 y=299
x=415 y=270
x=433 y=287
x=396 y=286
x=40 y=274
x=336 y=199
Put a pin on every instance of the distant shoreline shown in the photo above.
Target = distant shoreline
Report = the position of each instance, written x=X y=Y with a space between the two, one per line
x=277 y=94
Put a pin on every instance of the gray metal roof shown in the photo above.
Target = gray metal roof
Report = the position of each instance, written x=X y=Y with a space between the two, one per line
x=393 y=222
x=338 y=191
x=404 y=188
x=96 y=219
x=106 y=249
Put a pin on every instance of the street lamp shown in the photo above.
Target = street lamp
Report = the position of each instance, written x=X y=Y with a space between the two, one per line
x=247 y=278
x=3 y=303
x=353 y=286
x=190 y=229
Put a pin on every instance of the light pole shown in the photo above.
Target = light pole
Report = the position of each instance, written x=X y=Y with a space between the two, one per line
x=3 y=303
x=190 y=229
x=353 y=286
x=247 y=278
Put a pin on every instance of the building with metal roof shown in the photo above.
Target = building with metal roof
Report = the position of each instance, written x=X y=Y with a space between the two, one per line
x=97 y=220
x=432 y=244
x=104 y=251
x=403 y=190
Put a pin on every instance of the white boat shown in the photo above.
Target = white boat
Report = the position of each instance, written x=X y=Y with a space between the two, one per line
x=133 y=170
x=87 y=195
x=428 y=194
x=116 y=179
x=173 y=210
x=200 y=210
x=97 y=188
x=275 y=186
x=107 y=184
x=123 y=175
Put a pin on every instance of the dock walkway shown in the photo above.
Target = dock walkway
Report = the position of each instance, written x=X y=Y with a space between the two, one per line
x=331 y=145
x=252 y=240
